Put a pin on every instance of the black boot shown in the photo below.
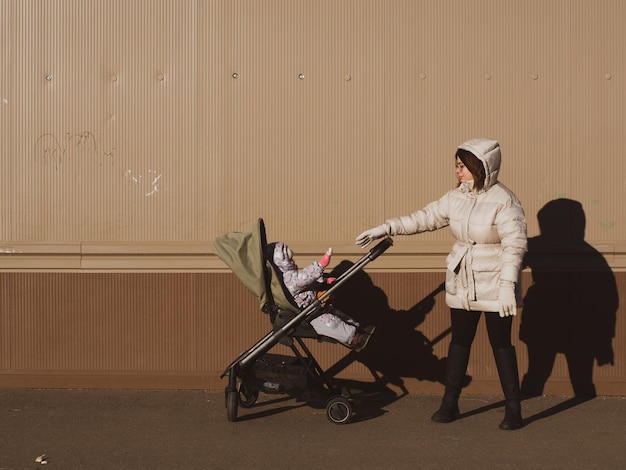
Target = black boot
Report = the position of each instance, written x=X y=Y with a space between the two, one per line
x=506 y=361
x=456 y=366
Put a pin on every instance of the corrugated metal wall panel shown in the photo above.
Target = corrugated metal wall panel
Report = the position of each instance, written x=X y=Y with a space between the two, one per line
x=92 y=322
x=230 y=321
x=152 y=328
x=301 y=120
x=6 y=14
x=126 y=121
x=503 y=73
x=175 y=121
x=5 y=324
x=111 y=153
x=212 y=76
x=598 y=114
x=538 y=103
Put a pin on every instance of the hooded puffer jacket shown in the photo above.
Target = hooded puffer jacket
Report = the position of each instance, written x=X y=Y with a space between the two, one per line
x=490 y=231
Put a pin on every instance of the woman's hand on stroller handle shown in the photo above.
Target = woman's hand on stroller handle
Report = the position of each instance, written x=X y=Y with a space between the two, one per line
x=372 y=234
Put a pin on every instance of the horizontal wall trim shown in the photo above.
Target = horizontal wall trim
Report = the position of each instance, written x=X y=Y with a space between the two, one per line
x=200 y=257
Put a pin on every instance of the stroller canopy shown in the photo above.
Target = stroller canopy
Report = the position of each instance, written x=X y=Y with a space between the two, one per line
x=243 y=252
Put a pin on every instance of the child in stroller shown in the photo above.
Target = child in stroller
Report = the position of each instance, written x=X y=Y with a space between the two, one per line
x=305 y=285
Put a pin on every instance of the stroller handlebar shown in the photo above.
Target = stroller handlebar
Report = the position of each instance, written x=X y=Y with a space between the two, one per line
x=380 y=248
x=374 y=253
x=275 y=336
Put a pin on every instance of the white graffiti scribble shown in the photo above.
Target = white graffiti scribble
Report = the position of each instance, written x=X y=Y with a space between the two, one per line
x=150 y=184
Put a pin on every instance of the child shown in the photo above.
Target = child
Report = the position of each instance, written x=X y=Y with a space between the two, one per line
x=303 y=284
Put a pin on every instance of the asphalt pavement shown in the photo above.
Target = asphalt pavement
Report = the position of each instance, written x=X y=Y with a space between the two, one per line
x=189 y=429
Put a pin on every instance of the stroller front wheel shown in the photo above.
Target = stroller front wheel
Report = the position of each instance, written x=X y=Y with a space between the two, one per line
x=232 y=405
x=338 y=410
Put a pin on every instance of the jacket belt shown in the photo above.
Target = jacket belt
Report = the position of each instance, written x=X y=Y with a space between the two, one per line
x=462 y=265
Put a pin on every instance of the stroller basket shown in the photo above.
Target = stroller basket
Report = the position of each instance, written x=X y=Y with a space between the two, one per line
x=256 y=370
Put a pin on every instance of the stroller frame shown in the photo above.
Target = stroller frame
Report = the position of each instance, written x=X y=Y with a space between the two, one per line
x=244 y=380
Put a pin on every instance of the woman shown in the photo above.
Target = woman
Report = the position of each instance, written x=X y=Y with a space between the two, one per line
x=483 y=268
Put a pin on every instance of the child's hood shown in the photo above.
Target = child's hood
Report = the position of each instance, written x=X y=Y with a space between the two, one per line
x=283 y=257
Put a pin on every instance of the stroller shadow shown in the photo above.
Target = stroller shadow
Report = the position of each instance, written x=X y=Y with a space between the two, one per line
x=397 y=349
x=369 y=400
x=270 y=407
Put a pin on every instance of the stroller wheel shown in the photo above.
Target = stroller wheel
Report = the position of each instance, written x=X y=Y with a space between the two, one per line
x=247 y=395
x=338 y=410
x=232 y=405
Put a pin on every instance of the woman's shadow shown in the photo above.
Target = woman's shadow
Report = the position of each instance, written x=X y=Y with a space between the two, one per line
x=571 y=306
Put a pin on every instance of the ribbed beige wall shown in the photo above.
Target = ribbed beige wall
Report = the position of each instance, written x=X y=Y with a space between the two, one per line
x=598 y=115
x=101 y=100
x=93 y=322
x=175 y=121
x=133 y=132
x=182 y=331
x=299 y=106
x=458 y=69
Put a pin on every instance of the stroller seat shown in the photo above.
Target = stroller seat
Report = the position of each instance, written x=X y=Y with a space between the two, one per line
x=302 y=330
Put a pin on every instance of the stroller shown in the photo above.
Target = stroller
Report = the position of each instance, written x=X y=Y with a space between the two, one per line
x=256 y=370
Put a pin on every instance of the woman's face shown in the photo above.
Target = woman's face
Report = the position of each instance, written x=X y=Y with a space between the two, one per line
x=462 y=173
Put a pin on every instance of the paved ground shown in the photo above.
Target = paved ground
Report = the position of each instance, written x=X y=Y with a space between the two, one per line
x=120 y=429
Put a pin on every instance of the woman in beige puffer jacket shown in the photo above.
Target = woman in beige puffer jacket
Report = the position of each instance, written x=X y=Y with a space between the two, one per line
x=483 y=267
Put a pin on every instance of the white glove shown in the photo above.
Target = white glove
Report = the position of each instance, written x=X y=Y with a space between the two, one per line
x=372 y=234
x=506 y=298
